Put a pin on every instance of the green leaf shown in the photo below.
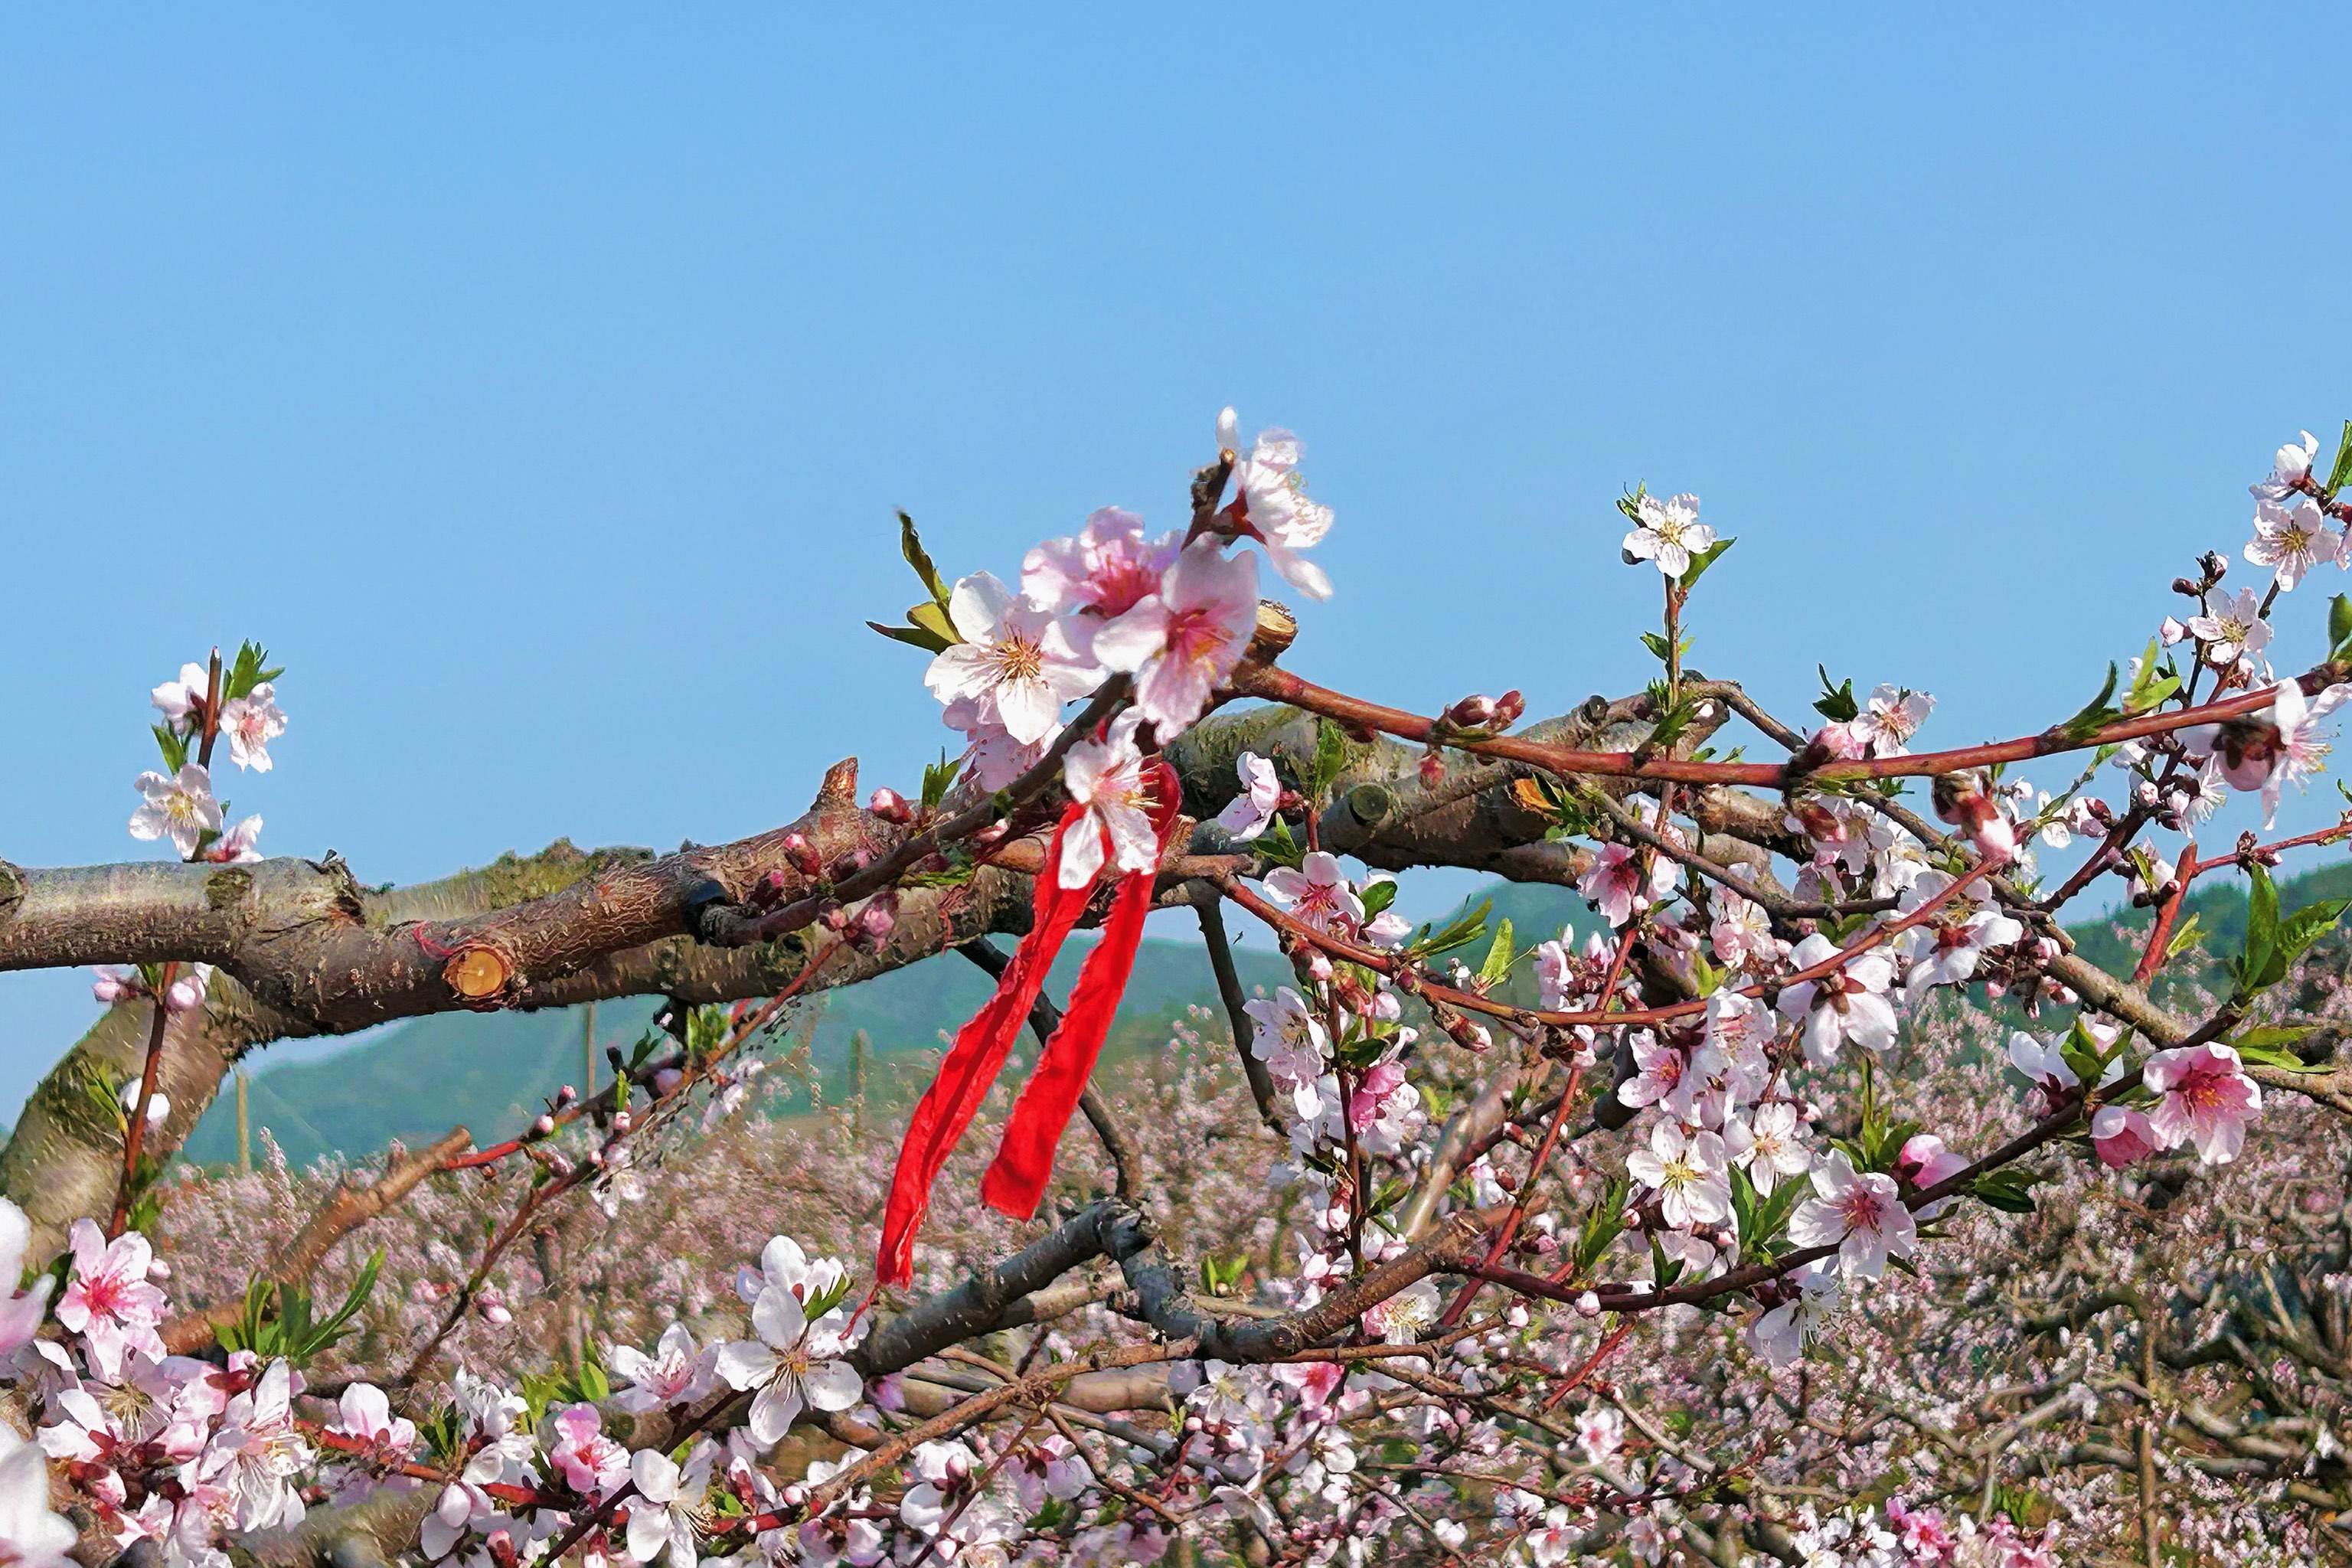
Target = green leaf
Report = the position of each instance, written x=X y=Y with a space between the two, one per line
x=2093 y=713
x=2186 y=937
x=910 y=545
x=174 y=749
x=2339 y=621
x=249 y=670
x=2277 y=1057
x=2007 y=1191
x=1499 y=955
x=2152 y=682
x=1772 y=1215
x=1702 y=560
x=2258 y=964
x=1377 y=897
x=1836 y=703
x=1658 y=646
x=914 y=637
x=938 y=779
x=1461 y=932
x=1602 y=1223
x=2308 y=924
x=2341 y=474
x=1331 y=759
x=1279 y=848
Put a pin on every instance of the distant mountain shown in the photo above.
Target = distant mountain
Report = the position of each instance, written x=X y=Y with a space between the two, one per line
x=413 y=1080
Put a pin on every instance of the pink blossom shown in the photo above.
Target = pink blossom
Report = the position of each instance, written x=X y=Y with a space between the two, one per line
x=1669 y=534
x=1924 y=1162
x=1742 y=930
x=1849 y=1003
x=1892 y=716
x=2264 y=751
x=1625 y=880
x=108 y=1300
x=1248 y=814
x=1107 y=777
x=31 y=1534
x=674 y=1375
x=1182 y=641
x=2290 y=470
x=2121 y=1135
x=2204 y=1097
x=1098 y=576
x=591 y=1463
x=20 y=1313
x=1015 y=661
x=2231 y=629
x=1274 y=494
x=1861 y=1215
x=237 y=846
x=249 y=723
x=1318 y=894
x=182 y=701
x=1687 y=1171
x=2292 y=538
x=177 y=806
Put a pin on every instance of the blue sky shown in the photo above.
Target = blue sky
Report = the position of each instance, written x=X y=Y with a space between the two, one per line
x=537 y=382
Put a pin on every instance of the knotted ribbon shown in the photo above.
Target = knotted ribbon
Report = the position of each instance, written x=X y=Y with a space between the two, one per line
x=1024 y=1158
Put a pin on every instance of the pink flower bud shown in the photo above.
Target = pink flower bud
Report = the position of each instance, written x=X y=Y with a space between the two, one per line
x=566 y=1095
x=114 y=985
x=802 y=855
x=1432 y=770
x=543 y=1126
x=890 y=805
x=878 y=919
x=1588 y=1305
x=622 y=1122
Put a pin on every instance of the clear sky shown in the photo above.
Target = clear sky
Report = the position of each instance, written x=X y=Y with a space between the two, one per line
x=538 y=381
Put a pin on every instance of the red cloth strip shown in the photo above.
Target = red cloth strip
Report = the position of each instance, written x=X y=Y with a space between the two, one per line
x=971 y=1065
x=1025 y=1160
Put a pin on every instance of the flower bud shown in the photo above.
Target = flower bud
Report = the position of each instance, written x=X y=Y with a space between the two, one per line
x=1228 y=431
x=801 y=854
x=622 y=1123
x=566 y=1095
x=543 y=1126
x=833 y=916
x=890 y=805
x=1472 y=713
x=878 y=919
x=1432 y=770
x=1588 y=1305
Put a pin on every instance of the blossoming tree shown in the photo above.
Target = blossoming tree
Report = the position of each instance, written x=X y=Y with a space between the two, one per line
x=1737 y=1230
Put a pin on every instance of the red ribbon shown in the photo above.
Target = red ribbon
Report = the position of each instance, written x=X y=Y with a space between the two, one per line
x=978 y=1055
x=1025 y=1160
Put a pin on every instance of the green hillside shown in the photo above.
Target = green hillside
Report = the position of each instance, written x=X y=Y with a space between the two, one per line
x=490 y=1071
